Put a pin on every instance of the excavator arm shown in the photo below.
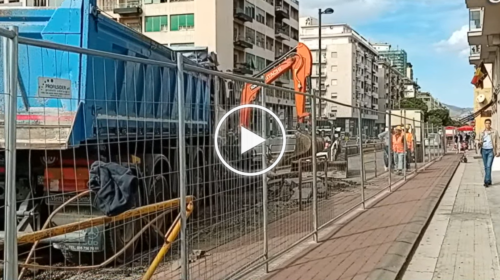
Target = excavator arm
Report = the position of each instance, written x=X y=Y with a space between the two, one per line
x=299 y=60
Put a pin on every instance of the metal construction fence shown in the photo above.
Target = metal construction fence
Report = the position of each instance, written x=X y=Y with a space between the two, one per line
x=116 y=167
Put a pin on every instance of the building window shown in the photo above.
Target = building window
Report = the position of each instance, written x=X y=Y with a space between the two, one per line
x=334 y=95
x=334 y=68
x=334 y=82
x=250 y=60
x=261 y=16
x=153 y=1
x=156 y=23
x=181 y=22
x=182 y=45
x=261 y=39
x=250 y=9
x=334 y=54
x=250 y=35
x=260 y=63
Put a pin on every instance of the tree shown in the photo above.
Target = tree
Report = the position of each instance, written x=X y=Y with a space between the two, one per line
x=416 y=104
x=435 y=120
x=440 y=117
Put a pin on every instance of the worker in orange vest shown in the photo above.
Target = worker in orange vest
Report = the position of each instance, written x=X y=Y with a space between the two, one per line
x=398 y=149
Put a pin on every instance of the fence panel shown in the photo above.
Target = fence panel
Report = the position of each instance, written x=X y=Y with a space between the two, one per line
x=133 y=168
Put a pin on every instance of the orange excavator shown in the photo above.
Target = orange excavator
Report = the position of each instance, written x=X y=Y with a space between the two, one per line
x=299 y=60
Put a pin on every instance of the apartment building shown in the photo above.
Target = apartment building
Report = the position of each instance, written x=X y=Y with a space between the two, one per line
x=398 y=58
x=348 y=73
x=484 y=42
x=391 y=90
x=429 y=100
x=247 y=35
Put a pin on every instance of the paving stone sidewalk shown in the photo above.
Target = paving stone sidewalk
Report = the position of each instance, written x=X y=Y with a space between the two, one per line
x=459 y=242
x=376 y=243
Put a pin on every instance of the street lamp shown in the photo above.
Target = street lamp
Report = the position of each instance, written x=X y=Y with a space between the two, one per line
x=327 y=11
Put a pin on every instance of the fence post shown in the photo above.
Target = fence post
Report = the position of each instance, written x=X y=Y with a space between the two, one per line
x=443 y=139
x=415 y=145
x=314 y=168
x=10 y=56
x=182 y=165
x=264 y=184
x=432 y=150
x=361 y=159
x=405 y=145
x=422 y=136
x=389 y=152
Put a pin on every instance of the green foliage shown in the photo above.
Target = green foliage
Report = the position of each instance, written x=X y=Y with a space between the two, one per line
x=435 y=120
x=414 y=103
x=439 y=117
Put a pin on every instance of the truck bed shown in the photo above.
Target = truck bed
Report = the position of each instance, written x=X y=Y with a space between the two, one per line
x=104 y=98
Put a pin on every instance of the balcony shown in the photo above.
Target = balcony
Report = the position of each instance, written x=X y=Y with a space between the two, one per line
x=243 y=69
x=475 y=54
x=239 y=14
x=135 y=26
x=128 y=8
x=281 y=33
x=474 y=35
x=240 y=42
x=281 y=13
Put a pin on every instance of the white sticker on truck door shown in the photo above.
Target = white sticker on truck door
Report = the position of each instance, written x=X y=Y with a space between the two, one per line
x=54 y=88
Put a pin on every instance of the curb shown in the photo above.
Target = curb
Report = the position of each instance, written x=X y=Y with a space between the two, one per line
x=393 y=265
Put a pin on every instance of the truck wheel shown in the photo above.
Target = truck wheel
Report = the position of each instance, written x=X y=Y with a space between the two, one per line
x=79 y=258
x=198 y=185
x=161 y=191
x=119 y=234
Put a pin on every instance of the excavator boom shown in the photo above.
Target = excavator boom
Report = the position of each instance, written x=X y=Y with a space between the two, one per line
x=299 y=60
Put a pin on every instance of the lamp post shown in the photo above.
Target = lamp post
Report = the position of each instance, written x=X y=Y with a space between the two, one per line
x=327 y=11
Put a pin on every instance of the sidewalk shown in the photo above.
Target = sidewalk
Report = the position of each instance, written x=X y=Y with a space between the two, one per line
x=376 y=243
x=460 y=242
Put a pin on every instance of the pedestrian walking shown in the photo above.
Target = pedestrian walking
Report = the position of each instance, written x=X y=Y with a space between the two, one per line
x=385 y=136
x=487 y=141
x=398 y=149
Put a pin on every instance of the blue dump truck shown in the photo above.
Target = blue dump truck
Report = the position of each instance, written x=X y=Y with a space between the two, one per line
x=76 y=109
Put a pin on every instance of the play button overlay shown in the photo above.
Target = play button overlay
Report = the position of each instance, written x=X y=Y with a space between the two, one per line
x=250 y=140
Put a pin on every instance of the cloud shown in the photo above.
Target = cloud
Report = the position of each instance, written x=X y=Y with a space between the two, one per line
x=456 y=43
x=350 y=12
x=356 y=12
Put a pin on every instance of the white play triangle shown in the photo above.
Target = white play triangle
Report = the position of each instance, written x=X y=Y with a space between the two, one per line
x=249 y=140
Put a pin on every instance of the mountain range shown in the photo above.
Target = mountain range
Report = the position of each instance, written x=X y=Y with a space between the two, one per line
x=456 y=111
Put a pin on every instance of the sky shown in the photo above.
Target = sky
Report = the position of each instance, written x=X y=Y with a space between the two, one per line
x=432 y=32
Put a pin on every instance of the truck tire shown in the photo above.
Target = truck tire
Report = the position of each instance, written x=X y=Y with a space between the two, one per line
x=161 y=190
x=119 y=234
x=79 y=258
x=198 y=184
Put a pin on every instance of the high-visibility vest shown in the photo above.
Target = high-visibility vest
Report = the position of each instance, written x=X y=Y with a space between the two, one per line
x=398 y=145
x=409 y=141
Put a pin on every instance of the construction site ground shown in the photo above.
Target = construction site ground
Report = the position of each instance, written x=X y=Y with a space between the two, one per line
x=236 y=242
x=375 y=243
